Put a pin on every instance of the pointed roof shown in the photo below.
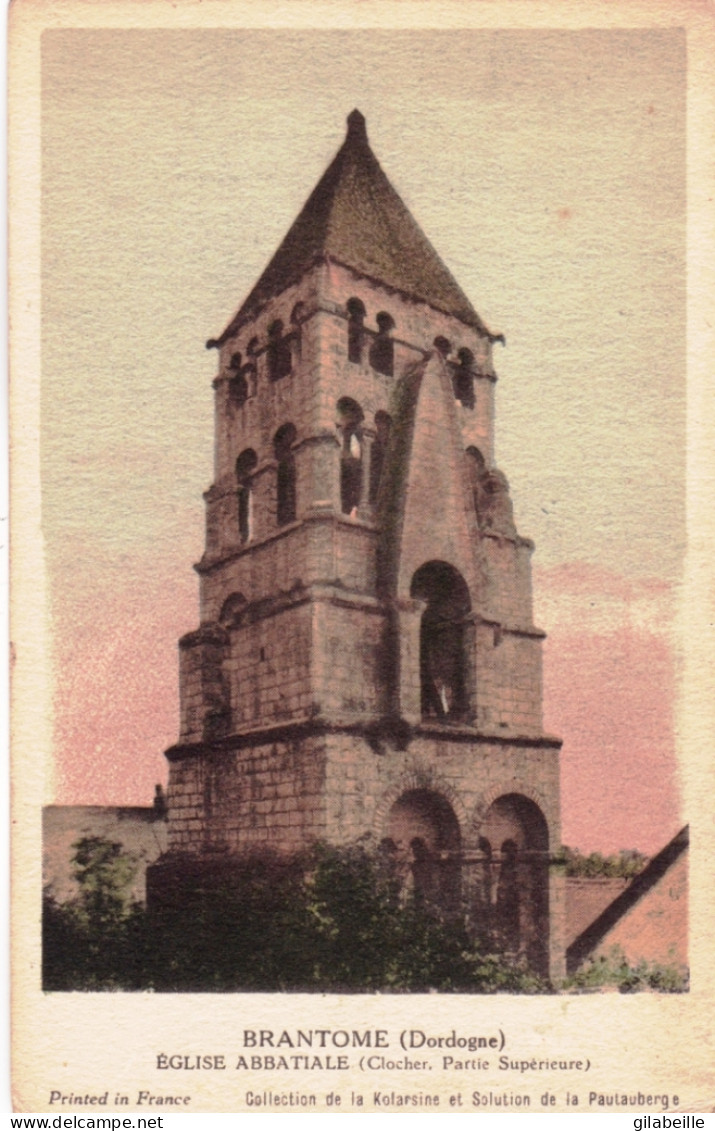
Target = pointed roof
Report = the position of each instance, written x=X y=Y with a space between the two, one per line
x=355 y=217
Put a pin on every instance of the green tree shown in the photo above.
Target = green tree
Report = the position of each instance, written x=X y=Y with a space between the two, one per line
x=95 y=940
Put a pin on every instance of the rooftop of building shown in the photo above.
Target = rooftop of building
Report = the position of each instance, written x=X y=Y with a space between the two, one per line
x=355 y=218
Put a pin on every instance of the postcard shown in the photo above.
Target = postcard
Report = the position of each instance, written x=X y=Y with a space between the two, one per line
x=362 y=556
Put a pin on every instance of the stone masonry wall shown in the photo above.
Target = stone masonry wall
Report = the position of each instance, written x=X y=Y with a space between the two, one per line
x=268 y=669
x=509 y=681
x=289 y=792
x=323 y=550
x=270 y=794
x=361 y=786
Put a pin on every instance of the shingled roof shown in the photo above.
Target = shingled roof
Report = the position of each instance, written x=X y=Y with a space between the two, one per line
x=354 y=217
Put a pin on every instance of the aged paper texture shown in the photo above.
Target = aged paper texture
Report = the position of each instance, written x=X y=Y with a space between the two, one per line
x=511 y=907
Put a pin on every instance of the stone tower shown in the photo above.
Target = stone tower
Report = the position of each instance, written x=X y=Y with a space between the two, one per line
x=366 y=660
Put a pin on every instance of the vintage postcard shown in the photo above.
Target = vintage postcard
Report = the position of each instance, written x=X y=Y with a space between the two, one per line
x=362 y=466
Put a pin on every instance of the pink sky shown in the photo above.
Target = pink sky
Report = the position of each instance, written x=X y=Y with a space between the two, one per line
x=547 y=168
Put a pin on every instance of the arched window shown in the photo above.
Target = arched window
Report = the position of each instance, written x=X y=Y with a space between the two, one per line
x=285 y=476
x=425 y=837
x=382 y=350
x=237 y=385
x=443 y=657
x=383 y=428
x=350 y=418
x=520 y=869
x=477 y=478
x=279 y=356
x=356 y=333
x=463 y=378
x=250 y=376
x=231 y=610
x=443 y=346
x=245 y=466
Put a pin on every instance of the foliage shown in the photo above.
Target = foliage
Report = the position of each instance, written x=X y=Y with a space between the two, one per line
x=367 y=936
x=336 y=919
x=614 y=971
x=624 y=864
x=242 y=931
x=94 y=941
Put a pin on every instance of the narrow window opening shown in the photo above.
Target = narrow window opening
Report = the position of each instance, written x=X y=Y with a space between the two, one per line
x=350 y=418
x=463 y=379
x=245 y=466
x=477 y=480
x=231 y=610
x=356 y=332
x=250 y=376
x=238 y=390
x=485 y=893
x=382 y=350
x=237 y=385
x=443 y=659
x=280 y=361
x=443 y=346
x=285 y=474
x=383 y=428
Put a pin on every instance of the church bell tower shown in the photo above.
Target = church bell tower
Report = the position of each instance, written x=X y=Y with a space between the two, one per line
x=365 y=660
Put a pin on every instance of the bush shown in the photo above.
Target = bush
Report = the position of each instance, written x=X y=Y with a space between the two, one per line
x=613 y=971
x=624 y=864
x=334 y=920
x=366 y=935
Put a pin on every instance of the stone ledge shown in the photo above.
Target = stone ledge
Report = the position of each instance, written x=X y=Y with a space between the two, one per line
x=374 y=730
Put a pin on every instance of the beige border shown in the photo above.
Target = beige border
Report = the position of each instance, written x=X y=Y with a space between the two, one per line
x=645 y=1042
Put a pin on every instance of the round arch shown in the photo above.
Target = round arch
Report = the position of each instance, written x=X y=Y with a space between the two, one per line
x=418 y=776
x=231 y=609
x=443 y=640
x=423 y=839
x=511 y=787
x=510 y=890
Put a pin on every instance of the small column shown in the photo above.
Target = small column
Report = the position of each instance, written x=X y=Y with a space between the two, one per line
x=557 y=924
x=366 y=510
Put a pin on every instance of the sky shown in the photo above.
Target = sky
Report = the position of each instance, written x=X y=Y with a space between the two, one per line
x=547 y=168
